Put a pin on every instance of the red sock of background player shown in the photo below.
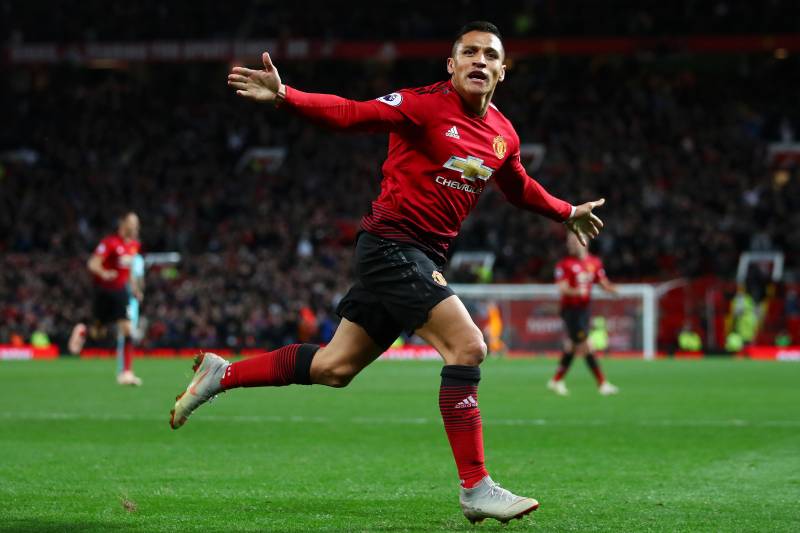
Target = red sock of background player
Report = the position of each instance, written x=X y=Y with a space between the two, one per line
x=284 y=366
x=594 y=366
x=127 y=354
x=458 y=403
x=563 y=366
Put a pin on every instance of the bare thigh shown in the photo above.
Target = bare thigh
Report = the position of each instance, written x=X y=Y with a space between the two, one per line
x=124 y=326
x=348 y=353
x=451 y=331
x=577 y=348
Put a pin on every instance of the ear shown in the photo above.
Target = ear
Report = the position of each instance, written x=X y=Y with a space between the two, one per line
x=451 y=65
x=502 y=74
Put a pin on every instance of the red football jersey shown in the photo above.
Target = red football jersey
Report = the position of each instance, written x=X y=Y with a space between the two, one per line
x=580 y=274
x=117 y=255
x=441 y=158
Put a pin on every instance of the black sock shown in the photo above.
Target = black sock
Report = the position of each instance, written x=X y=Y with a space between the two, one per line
x=302 y=363
x=594 y=366
x=563 y=365
x=460 y=376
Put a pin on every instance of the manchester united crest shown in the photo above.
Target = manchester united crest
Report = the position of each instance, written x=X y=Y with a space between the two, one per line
x=438 y=278
x=499 y=146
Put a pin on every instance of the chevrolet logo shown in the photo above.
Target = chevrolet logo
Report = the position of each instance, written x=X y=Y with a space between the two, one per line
x=470 y=168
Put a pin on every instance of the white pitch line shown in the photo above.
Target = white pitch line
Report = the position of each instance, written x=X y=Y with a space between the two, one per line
x=378 y=421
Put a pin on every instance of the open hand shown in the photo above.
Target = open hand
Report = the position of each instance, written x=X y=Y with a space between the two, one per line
x=585 y=224
x=258 y=85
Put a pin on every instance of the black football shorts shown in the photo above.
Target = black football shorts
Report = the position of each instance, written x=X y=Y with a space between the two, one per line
x=396 y=286
x=576 y=322
x=110 y=305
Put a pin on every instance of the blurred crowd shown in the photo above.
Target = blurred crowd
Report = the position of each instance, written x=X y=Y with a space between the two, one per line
x=676 y=144
x=65 y=21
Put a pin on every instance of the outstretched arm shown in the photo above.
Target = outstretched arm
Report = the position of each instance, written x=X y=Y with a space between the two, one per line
x=265 y=86
x=607 y=286
x=527 y=193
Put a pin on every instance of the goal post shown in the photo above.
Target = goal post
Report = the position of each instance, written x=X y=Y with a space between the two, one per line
x=531 y=321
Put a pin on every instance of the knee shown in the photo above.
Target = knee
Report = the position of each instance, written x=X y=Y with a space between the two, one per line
x=472 y=351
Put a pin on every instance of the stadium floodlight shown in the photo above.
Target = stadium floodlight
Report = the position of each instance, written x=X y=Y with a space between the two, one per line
x=532 y=323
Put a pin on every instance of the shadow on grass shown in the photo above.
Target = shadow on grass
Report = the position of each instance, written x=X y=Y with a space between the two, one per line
x=52 y=526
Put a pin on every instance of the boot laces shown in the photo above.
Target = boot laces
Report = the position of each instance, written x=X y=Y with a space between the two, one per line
x=498 y=492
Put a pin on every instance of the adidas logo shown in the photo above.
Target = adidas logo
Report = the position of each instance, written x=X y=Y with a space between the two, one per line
x=467 y=402
x=453 y=132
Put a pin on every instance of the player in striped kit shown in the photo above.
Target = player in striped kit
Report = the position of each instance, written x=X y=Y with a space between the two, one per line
x=575 y=276
x=447 y=143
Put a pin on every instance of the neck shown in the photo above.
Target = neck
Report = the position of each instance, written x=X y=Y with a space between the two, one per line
x=477 y=103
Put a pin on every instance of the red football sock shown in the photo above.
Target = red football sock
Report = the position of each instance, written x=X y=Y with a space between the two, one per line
x=284 y=366
x=594 y=366
x=563 y=366
x=127 y=354
x=458 y=403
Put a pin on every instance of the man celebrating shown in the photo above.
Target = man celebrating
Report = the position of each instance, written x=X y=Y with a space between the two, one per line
x=575 y=276
x=110 y=266
x=447 y=142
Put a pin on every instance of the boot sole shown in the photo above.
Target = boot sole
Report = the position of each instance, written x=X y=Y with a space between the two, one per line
x=517 y=516
x=198 y=360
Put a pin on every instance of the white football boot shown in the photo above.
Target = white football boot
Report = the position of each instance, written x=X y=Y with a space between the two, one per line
x=487 y=499
x=559 y=387
x=129 y=378
x=607 y=389
x=208 y=369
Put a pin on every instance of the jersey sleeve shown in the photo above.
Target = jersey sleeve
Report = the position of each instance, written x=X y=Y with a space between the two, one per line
x=559 y=273
x=600 y=271
x=527 y=193
x=387 y=113
x=105 y=248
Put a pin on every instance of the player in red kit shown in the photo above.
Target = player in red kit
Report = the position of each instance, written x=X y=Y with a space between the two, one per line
x=575 y=276
x=110 y=266
x=447 y=142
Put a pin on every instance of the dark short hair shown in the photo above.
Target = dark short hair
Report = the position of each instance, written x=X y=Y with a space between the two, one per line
x=479 y=25
x=476 y=25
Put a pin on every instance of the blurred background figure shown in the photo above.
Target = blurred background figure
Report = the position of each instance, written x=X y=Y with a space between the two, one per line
x=111 y=266
x=598 y=336
x=575 y=275
x=689 y=340
x=743 y=321
x=493 y=331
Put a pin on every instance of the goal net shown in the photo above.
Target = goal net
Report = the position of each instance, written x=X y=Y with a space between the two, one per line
x=530 y=320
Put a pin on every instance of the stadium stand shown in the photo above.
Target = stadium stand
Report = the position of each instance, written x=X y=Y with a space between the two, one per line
x=676 y=142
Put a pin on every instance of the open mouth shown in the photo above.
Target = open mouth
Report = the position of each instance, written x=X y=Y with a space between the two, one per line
x=477 y=75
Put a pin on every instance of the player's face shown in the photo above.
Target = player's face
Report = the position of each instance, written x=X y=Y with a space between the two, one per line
x=130 y=227
x=477 y=63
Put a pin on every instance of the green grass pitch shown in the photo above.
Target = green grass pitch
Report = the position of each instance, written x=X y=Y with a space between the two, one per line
x=690 y=446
